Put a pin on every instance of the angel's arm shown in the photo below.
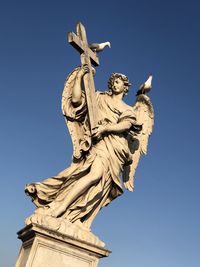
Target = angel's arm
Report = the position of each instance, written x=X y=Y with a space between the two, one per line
x=78 y=85
x=76 y=90
x=119 y=127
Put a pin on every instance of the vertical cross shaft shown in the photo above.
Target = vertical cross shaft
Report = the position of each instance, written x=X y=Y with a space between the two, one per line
x=88 y=57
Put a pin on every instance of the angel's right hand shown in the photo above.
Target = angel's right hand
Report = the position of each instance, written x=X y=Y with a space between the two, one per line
x=84 y=69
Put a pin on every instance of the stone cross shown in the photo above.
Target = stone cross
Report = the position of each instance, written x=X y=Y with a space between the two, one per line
x=79 y=42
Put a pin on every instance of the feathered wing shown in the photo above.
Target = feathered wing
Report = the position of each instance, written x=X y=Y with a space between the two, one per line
x=76 y=118
x=138 y=144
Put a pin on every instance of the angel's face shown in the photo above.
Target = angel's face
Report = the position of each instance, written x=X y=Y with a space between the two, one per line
x=118 y=86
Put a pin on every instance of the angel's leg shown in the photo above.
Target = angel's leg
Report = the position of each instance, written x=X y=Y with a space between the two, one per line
x=81 y=186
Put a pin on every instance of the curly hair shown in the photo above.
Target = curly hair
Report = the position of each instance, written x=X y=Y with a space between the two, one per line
x=123 y=77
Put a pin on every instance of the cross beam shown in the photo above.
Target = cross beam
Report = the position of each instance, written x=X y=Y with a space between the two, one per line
x=79 y=42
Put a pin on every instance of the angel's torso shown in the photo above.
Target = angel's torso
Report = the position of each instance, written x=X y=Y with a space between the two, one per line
x=110 y=110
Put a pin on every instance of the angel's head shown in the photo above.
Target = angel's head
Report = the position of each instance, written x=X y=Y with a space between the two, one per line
x=118 y=83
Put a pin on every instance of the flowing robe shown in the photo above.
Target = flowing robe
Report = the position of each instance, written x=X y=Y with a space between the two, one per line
x=113 y=152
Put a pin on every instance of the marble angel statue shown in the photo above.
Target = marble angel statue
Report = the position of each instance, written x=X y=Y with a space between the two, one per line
x=103 y=163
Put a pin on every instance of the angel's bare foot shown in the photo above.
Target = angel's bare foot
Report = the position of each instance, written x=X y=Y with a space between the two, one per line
x=30 y=189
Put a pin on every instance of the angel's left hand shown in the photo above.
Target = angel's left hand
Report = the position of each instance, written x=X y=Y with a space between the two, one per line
x=98 y=132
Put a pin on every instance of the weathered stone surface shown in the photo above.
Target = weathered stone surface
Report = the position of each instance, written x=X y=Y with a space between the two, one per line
x=63 y=226
x=43 y=247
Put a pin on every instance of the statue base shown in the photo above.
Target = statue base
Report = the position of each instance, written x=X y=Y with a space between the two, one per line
x=42 y=246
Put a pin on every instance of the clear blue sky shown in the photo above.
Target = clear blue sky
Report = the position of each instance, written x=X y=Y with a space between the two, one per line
x=158 y=224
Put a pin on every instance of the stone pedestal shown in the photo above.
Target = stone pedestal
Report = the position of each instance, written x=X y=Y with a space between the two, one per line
x=43 y=247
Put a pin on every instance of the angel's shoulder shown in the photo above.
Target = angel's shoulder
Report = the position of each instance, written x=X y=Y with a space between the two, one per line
x=126 y=106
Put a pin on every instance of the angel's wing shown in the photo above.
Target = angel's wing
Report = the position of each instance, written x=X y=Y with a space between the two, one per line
x=138 y=145
x=75 y=118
